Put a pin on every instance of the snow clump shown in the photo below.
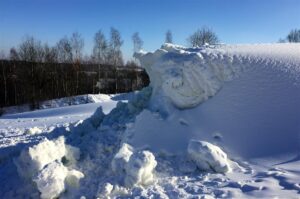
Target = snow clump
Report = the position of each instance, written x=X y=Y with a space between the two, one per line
x=51 y=180
x=36 y=157
x=121 y=159
x=140 y=167
x=135 y=166
x=208 y=157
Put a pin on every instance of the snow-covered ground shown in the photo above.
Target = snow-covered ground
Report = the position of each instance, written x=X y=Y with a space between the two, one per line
x=215 y=122
x=62 y=102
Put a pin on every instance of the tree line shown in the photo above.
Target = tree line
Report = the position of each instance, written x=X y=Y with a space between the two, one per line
x=292 y=37
x=34 y=82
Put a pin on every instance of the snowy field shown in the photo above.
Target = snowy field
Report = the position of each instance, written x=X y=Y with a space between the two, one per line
x=215 y=122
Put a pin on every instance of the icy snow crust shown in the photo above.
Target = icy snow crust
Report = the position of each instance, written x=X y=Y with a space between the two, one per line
x=191 y=133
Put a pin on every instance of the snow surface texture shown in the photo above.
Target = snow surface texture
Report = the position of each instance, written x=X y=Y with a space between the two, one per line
x=141 y=148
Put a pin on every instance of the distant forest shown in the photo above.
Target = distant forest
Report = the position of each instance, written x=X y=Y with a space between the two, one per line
x=32 y=82
x=34 y=71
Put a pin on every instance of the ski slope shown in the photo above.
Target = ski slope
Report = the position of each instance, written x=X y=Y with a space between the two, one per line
x=216 y=122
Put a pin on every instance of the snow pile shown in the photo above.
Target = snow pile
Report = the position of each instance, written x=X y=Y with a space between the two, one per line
x=208 y=157
x=152 y=145
x=247 y=110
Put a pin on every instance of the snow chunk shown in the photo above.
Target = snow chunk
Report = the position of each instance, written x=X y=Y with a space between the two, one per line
x=37 y=156
x=121 y=159
x=50 y=180
x=139 y=170
x=33 y=131
x=208 y=156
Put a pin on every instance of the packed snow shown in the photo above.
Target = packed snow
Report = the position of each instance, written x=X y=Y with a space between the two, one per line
x=215 y=122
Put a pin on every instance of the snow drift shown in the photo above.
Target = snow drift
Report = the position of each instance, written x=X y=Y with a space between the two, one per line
x=255 y=115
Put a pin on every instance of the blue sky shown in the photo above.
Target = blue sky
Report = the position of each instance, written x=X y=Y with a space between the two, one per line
x=235 y=21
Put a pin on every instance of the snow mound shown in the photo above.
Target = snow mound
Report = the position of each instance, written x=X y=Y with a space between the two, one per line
x=208 y=157
x=247 y=93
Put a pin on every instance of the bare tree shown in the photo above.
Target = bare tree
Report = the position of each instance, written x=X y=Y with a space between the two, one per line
x=64 y=50
x=77 y=44
x=294 y=36
x=100 y=48
x=137 y=42
x=203 y=36
x=115 y=53
x=30 y=50
x=13 y=54
x=169 y=37
x=50 y=54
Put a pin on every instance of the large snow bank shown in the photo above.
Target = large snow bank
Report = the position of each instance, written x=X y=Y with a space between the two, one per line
x=189 y=76
x=256 y=114
x=208 y=157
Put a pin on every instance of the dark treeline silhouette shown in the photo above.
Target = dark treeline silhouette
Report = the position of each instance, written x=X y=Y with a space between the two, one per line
x=35 y=71
x=33 y=82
